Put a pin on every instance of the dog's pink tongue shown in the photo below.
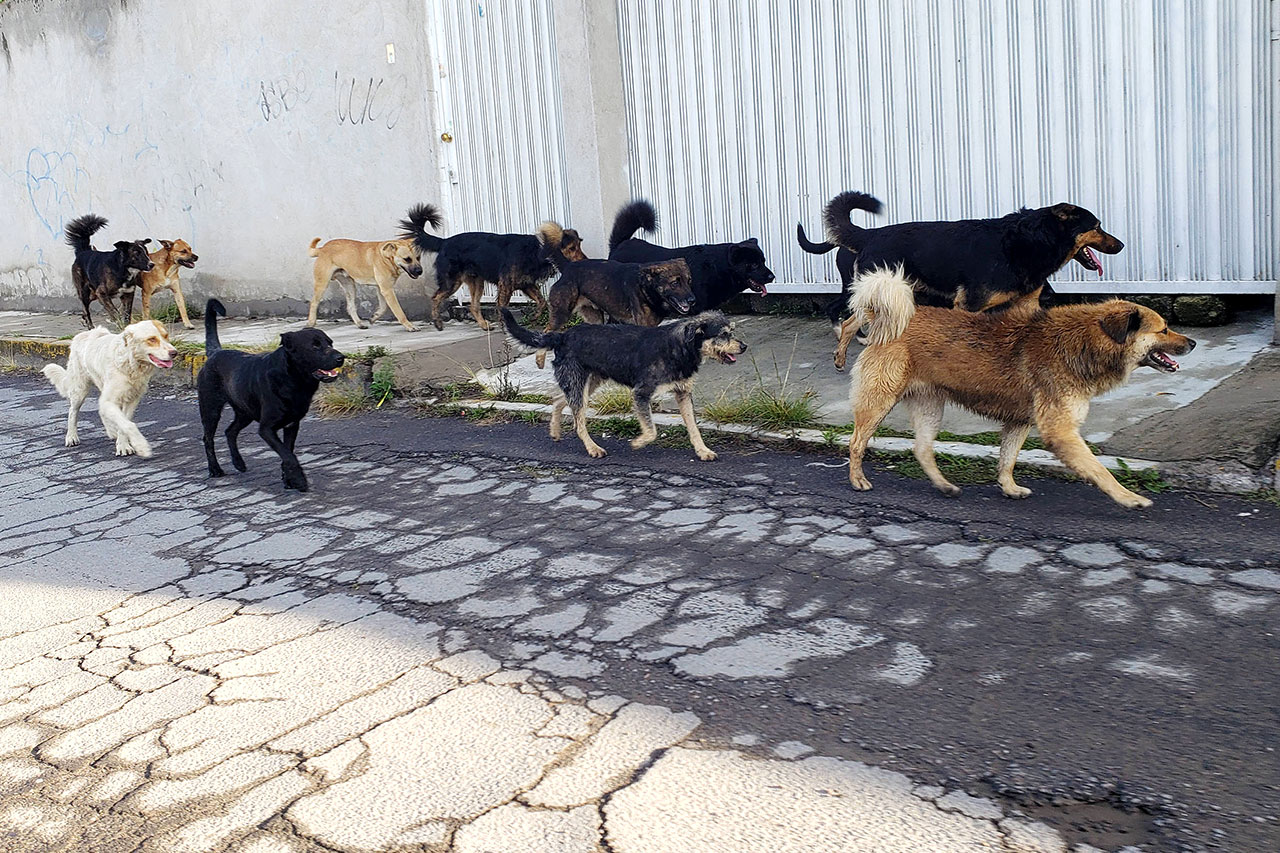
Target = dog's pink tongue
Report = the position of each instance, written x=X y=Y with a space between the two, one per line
x=1091 y=256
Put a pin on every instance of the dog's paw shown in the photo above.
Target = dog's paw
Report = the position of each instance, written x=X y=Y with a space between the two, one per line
x=238 y=464
x=411 y=328
x=859 y=481
x=1132 y=500
x=949 y=489
x=188 y=325
x=123 y=447
x=439 y=324
x=541 y=359
x=71 y=440
x=293 y=477
x=706 y=455
x=143 y=449
x=217 y=472
x=1015 y=491
x=597 y=452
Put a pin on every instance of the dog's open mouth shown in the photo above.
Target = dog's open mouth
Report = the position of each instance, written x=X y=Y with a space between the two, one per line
x=160 y=362
x=1160 y=362
x=1087 y=259
x=187 y=262
x=326 y=375
x=727 y=357
x=759 y=287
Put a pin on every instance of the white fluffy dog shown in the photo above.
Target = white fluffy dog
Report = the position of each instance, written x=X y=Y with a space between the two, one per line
x=121 y=366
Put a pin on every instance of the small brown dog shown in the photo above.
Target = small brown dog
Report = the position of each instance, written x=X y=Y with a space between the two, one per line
x=1022 y=366
x=355 y=262
x=171 y=255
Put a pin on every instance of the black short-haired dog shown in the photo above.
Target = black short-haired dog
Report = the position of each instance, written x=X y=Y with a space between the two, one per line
x=973 y=264
x=512 y=261
x=720 y=271
x=102 y=275
x=646 y=359
x=274 y=389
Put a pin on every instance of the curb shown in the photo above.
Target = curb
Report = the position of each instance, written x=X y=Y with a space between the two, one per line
x=1035 y=458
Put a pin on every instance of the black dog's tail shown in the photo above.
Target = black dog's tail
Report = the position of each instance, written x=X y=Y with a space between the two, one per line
x=413 y=227
x=637 y=215
x=528 y=337
x=80 y=229
x=810 y=246
x=213 y=309
x=840 y=230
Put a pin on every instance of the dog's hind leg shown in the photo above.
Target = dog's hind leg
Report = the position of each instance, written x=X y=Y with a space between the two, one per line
x=557 y=409
x=534 y=292
x=239 y=422
x=211 y=403
x=1012 y=437
x=476 y=286
x=126 y=303
x=76 y=395
x=643 y=399
x=684 y=400
x=349 y=290
x=926 y=420
x=319 y=284
x=577 y=385
x=878 y=383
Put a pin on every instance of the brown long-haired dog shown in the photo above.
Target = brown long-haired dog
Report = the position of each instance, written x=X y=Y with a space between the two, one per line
x=1024 y=366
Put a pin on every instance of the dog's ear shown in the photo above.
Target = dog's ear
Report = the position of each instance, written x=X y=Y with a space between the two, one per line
x=288 y=340
x=389 y=249
x=143 y=242
x=745 y=252
x=1121 y=325
x=168 y=244
x=1066 y=212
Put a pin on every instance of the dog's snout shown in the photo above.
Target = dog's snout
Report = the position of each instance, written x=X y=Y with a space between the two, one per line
x=173 y=353
x=742 y=347
x=1191 y=344
x=195 y=258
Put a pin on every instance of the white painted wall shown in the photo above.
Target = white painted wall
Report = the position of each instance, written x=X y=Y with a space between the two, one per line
x=245 y=127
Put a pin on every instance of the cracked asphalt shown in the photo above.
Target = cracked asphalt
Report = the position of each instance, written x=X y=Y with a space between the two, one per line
x=469 y=638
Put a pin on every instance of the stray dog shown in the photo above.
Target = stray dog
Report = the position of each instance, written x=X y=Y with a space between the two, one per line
x=163 y=275
x=1022 y=366
x=102 y=275
x=646 y=359
x=121 y=367
x=972 y=264
x=638 y=294
x=720 y=271
x=378 y=263
x=513 y=261
x=274 y=389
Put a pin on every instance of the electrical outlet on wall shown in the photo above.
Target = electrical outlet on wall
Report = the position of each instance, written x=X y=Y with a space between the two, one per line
x=391 y=53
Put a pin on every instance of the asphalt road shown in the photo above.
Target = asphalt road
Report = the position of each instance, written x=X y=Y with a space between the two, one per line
x=1111 y=673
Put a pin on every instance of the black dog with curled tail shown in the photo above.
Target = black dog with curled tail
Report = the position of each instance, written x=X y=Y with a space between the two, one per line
x=274 y=389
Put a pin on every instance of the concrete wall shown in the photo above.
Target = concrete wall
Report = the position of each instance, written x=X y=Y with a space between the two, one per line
x=245 y=127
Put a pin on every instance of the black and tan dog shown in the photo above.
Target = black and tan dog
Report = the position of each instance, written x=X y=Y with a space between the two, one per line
x=972 y=264
x=512 y=261
x=638 y=294
x=274 y=389
x=646 y=359
x=719 y=271
x=1024 y=366
x=103 y=275
x=377 y=262
x=163 y=275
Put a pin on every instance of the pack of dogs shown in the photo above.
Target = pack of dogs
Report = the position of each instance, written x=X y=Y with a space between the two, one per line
x=948 y=312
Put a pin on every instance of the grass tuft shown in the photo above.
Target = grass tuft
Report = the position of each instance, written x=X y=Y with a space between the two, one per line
x=613 y=399
x=773 y=410
x=343 y=401
x=1145 y=480
x=169 y=313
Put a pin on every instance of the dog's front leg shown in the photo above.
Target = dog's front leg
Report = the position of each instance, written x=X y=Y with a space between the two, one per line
x=387 y=299
x=114 y=419
x=290 y=468
x=684 y=399
x=1061 y=433
x=181 y=302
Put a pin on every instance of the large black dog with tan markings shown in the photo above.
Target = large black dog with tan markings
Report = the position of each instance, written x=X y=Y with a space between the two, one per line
x=643 y=358
x=274 y=389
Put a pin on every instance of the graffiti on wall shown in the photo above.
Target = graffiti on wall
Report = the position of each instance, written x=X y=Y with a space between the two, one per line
x=282 y=95
x=369 y=100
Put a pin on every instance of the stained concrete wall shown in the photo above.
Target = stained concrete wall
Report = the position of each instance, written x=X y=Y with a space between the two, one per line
x=246 y=127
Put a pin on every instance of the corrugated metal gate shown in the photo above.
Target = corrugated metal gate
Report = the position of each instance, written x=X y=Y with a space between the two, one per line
x=499 y=104
x=744 y=117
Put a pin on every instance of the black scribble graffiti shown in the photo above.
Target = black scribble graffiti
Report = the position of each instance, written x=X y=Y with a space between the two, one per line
x=377 y=101
x=277 y=97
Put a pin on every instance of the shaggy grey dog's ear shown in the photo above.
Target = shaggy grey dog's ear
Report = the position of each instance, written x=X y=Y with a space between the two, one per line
x=1121 y=325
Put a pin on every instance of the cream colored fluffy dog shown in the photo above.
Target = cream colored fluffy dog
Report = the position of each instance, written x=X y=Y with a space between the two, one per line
x=121 y=366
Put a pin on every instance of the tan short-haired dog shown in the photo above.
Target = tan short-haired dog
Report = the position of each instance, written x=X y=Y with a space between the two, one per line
x=379 y=263
x=163 y=275
x=1024 y=366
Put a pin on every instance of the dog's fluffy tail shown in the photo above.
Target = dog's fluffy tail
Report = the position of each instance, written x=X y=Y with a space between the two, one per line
x=840 y=230
x=57 y=374
x=528 y=337
x=80 y=229
x=810 y=246
x=213 y=309
x=884 y=298
x=314 y=252
x=637 y=215
x=414 y=227
x=551 y=236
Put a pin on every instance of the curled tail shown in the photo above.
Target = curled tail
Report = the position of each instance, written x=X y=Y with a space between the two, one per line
x=637 y=215
x=551 y=236
x=835 y=217
x=213 y=309
x=810 y=246
x=414 y=227
x=57 y=374
x=80 y=229
x=313 y=251
x=528 y=337
x=884 y=298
